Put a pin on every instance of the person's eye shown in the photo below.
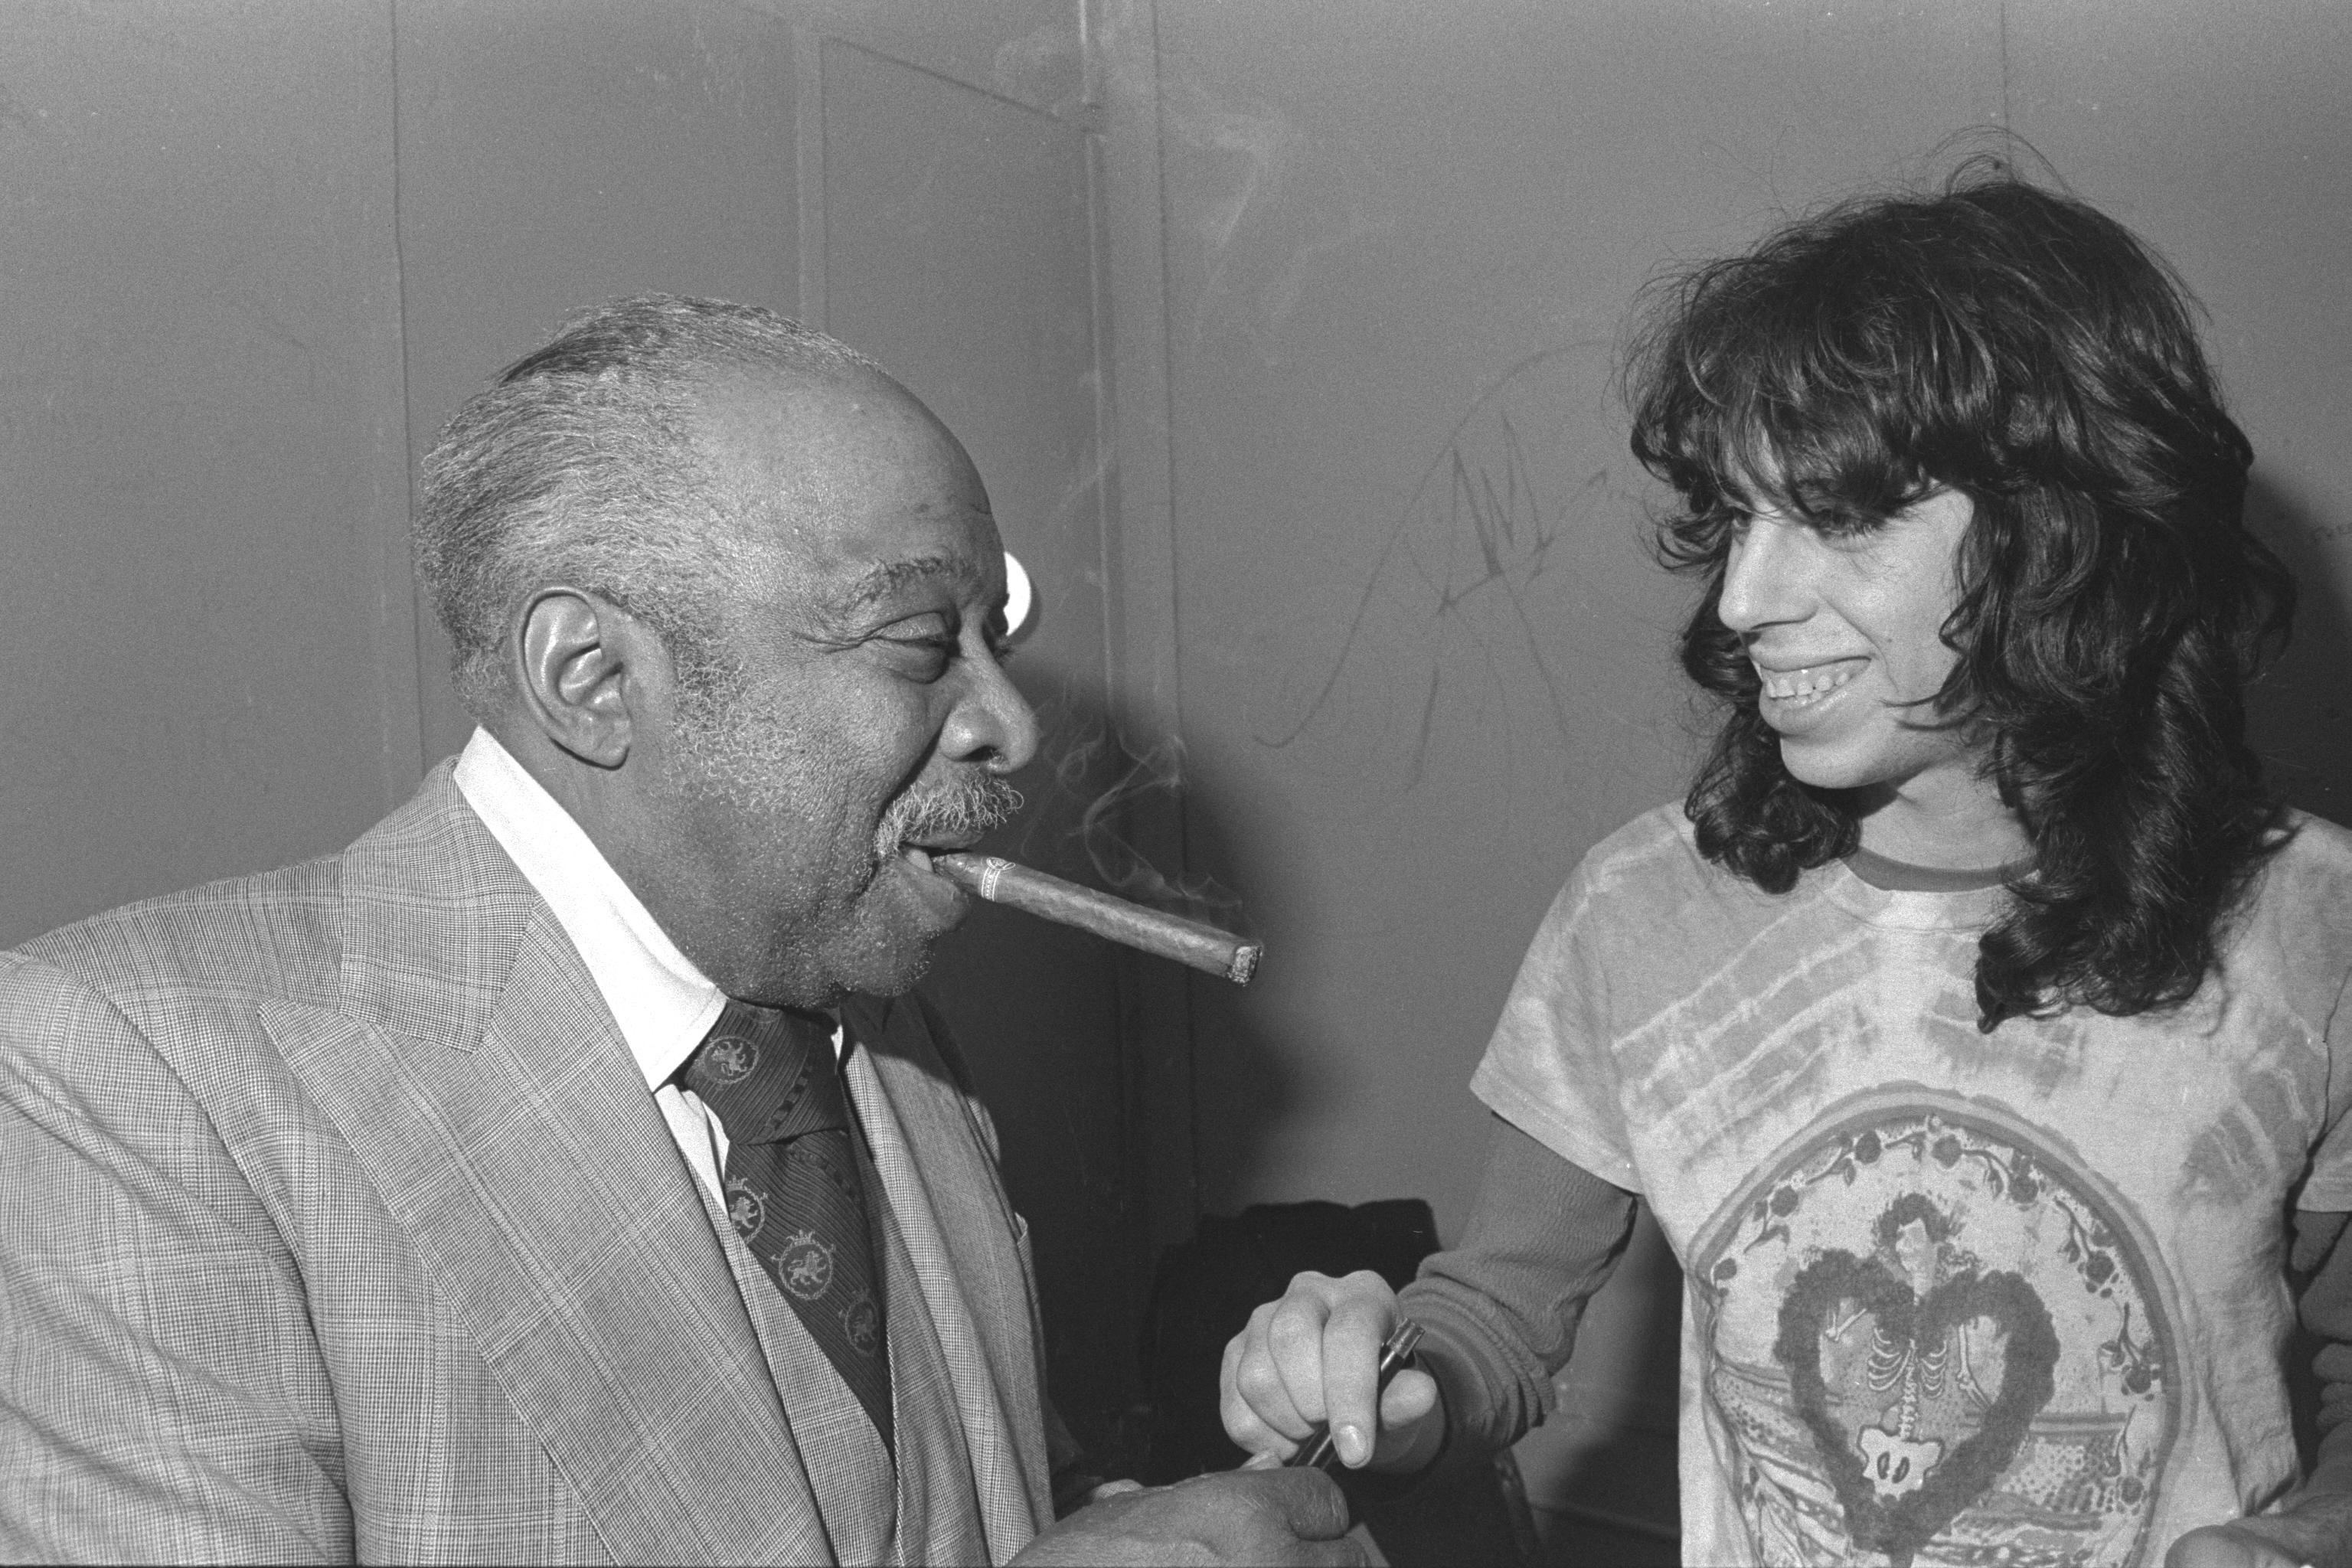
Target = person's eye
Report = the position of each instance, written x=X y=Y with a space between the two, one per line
x=921 y=647
x=1852 y=533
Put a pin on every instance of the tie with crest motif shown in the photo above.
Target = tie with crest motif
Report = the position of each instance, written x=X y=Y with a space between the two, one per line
x=793 y=1188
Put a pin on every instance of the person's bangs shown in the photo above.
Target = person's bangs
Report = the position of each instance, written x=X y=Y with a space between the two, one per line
x=1779 y=432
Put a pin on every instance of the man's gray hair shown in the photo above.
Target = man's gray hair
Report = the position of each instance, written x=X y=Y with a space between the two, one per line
x=578 y=465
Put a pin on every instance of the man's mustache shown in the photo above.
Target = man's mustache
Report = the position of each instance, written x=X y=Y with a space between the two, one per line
x=962 y=811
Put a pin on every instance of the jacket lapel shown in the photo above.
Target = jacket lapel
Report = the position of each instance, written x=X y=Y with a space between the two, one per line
x=963 y=1237
x=508 y=1131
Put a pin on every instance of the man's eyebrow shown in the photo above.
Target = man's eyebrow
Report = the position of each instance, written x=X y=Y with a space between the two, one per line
x=881 y=582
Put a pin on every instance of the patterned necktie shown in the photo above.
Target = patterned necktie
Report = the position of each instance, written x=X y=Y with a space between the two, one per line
x=793 y=1188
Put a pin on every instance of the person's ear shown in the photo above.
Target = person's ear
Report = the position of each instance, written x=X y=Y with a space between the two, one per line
x=587 y=669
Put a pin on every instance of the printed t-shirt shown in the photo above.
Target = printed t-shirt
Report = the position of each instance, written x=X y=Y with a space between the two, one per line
x=1949 y=1296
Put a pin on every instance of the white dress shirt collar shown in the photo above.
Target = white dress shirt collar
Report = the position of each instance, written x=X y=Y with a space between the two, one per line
x=663 y=1004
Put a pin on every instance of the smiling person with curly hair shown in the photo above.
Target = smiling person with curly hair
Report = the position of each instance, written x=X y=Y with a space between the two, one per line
x=1971 y=1027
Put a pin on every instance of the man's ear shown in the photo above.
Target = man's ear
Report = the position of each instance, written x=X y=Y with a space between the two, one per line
x=587 y=669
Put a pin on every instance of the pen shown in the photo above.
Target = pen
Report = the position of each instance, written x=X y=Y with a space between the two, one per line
x=1395 y=1351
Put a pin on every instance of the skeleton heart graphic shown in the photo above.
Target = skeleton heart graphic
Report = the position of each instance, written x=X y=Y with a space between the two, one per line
x=1938 y=1373
x=1935 y=1343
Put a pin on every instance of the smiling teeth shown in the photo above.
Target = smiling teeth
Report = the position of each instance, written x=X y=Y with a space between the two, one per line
x=1804 y=685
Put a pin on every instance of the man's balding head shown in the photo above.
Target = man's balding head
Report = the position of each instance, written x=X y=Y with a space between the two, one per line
x=583 y=464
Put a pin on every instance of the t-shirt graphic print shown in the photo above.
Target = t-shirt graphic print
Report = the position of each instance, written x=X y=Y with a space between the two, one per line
x=1925 y=1324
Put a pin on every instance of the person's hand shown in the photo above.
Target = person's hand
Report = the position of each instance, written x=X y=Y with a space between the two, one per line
x=2317 y=1532
x=1240 y=1516
x=1314 y=1357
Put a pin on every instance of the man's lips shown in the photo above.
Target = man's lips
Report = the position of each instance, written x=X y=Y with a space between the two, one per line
x=920 y=854
x=914 y=830
x=933 y=888
x=927 y=839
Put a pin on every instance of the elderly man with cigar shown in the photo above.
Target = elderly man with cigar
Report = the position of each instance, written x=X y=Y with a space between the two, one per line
x=563 y=1172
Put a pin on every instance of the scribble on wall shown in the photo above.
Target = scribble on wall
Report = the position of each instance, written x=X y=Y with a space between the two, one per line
x=1463 y=632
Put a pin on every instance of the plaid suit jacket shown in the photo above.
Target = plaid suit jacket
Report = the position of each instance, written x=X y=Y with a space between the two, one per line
x=337 y=1221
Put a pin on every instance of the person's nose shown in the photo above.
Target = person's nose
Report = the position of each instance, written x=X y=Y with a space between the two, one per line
x=993 y=724
x=1763 y=580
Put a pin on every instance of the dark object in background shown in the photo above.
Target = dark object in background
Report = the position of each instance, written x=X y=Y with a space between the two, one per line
x=1202 y=1295
x=1205 y=1288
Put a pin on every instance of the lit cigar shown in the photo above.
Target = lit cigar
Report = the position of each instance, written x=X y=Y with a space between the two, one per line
x=1149 y=930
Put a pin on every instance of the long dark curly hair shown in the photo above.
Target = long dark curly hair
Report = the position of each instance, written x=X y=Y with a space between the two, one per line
x=2014 y=345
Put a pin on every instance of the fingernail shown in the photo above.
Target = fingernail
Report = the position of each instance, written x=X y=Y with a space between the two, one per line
x=1351 y=1444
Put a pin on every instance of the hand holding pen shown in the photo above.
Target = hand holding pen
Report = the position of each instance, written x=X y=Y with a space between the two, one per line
x=1332 y=1355
x=1396 y=1354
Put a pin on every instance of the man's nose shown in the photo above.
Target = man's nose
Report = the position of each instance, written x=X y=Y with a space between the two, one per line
x=993 y=724
x=1761 y=581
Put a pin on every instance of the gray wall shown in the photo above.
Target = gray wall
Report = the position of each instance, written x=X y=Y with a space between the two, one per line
x=206 y=614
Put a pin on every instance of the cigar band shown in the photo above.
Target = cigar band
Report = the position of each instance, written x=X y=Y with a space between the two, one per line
x=993 y=871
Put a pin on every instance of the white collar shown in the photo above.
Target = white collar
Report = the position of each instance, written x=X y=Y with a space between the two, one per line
x=663 y=1004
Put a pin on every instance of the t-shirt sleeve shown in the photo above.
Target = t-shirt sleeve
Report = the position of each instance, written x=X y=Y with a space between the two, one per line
x=2328 y=1186
x=1548 y=1069
x=1502 y=1306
